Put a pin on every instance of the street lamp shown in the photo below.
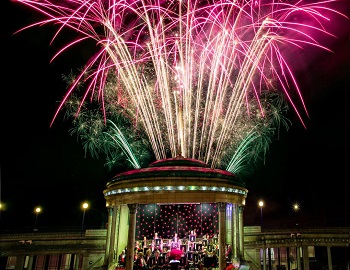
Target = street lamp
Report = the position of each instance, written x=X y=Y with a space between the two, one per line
x=261 y=205
x=85 y=206
x=296 y=234
x=37 y=210
x=296 y=207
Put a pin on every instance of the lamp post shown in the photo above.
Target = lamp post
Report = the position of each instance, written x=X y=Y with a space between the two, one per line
x=297 y=235
x=263 y=250
x=37 y=210
x=85 y=206
x=261 y=205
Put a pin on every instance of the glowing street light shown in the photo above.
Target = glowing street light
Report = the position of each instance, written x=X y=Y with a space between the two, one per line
x=296 y=207
x=85 y=206
x=2 y=207
x=261 y=205
x=37 y=210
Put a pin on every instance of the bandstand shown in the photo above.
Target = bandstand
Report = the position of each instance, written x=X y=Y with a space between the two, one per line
x=176 y=180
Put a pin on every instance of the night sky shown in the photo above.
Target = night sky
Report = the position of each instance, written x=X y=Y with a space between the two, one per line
x=46 y=166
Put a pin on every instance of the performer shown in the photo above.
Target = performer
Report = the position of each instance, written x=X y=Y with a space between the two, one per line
x=158 y=242
x=191 y=241
x=192 y=237
x=175 y=238
x=136 y=251
x=147 y=257
x=144 y=242
x=175 y=242
x=190 y=246
x=138 y=246
x=140 y=263
x=205 y=240
x=195 y=232
x=155 y=261
x=229 y=253
x=215 y=239
x=122 y=258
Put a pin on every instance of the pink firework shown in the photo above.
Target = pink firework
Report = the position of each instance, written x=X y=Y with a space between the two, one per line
x=186 y=71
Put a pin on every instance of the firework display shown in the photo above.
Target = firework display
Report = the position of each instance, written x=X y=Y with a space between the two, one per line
x=209 y=80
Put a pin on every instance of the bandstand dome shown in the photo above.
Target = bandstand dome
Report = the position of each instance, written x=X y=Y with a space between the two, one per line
x=175 y=180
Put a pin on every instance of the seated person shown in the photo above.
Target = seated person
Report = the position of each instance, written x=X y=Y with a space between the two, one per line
x=160 y=261
x=229 y=253
x=140 y=263
x=148 y=256
x=210 y=261
x=122 y=258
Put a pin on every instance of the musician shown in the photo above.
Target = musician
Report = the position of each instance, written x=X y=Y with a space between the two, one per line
x=210 y=260
x=193 y=259
x=138 y=246
x=215 y=239
x=122 y=258
x=140 y=263
x=175 y=238
x=157 y=242
x=229 y=253
x=175 y=242
x=205 y=239
x=159 y=261
x=192 y=236
x=136 y=251
x=190 y=246
x=144 y=242
x=156 y=256
x=195 y=232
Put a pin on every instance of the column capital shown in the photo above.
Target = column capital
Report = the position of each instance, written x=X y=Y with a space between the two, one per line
x=221 y=206
x=133 y=208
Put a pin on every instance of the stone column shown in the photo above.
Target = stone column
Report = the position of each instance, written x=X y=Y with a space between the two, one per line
x=306 y=258
x=222 y=235
x=20 y=262
x=112 y=237
x=235 y=231
x=229 y=225
x=298 y=258
x=76 y=261
x=30 y=263
x=329 y=255
x=269 y=258
x=288 y=258
x=108 y=237
x=264 y=257
x=241 y=232
x=131 y=236
x=116 y=232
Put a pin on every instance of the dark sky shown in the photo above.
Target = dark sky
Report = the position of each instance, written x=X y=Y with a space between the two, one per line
x=43 y=165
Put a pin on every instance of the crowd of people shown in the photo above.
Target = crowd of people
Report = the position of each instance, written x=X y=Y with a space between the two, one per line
x=193 y=253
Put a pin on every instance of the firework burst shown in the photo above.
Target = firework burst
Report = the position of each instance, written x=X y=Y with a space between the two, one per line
x=193 y=76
